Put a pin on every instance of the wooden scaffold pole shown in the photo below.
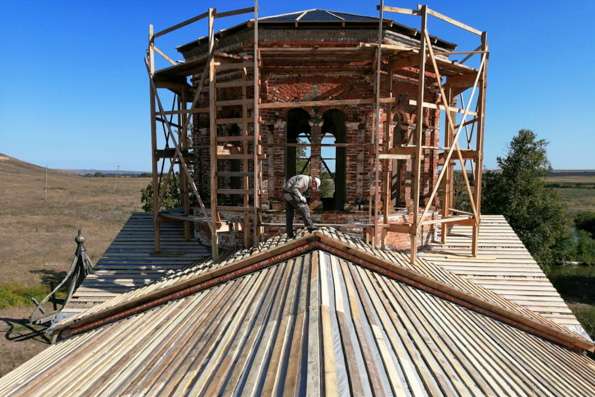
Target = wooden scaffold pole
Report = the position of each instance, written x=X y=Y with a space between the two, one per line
x=256 y=114
x=447 y=198
x=184 y=182
x=213 y=135
x=479 y=143
x=376 y=129
x=419 y=130
x=387 y=163
x=154 y=158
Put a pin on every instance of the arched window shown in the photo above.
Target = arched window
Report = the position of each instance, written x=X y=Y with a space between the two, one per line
x=332 y=153
x=333 y=167
x=328 y=160
x=298 y=143
x=303 y=153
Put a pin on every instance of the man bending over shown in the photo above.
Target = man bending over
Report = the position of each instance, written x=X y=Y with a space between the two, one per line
x=293 y=194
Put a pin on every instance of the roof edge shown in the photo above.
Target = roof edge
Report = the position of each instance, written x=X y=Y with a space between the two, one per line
x=454 y=295
x=310 y=242
x=203 y=281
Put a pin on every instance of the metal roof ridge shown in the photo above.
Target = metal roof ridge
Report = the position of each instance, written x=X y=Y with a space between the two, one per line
x=203 y=280
x=457 y=296
x=319 y=240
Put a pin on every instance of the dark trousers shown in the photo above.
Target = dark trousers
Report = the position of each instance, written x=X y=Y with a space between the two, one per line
x=291 y=205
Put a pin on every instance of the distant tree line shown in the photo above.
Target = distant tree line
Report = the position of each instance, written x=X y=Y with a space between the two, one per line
x=105 y=174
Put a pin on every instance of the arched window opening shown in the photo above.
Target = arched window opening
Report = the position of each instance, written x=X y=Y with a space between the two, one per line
x=299 y=139
x=329 y=138
x=333 y=160
x=303 y=155
x=329 y=166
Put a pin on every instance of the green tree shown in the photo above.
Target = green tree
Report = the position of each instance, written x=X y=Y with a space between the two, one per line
x=586 y=221
x=585 y=248
x=171 y=198
x=517 y=191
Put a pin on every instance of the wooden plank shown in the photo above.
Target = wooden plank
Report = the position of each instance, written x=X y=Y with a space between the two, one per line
x=233 y=66
x=459 y=220
x=429 y=105
x=376 y=187
x=398 y=227
x=185 y=189
x=454 y=22
x=257 y=180
x=235 y=173
x=399 y=10
x=182 y=24
x=327 y=102
x=245 y=169
x=232 y=120
x=234 y=102
x=448 y=195
x=477 y=188
x=233 y=84
x=387 y=166
x=165 y=56
x=233 y=156
x=419 y=131
x=386 y=156
x=235 y=209
x=235 y=138
x=154 y=156
x=455 y=295
x=238 y=11
x=233 y=191
x=467 y=154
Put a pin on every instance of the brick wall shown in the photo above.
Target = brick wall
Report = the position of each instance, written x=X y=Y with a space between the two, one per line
x=359 y=162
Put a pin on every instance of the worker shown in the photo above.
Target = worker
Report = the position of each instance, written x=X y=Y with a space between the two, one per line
x=293 y=194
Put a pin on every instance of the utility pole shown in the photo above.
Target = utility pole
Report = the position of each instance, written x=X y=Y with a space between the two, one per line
x=45 y=188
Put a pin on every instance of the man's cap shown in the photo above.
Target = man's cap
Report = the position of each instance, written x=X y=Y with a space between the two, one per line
x=317 y=181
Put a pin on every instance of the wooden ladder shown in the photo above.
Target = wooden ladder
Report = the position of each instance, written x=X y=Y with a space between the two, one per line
x=234 y=148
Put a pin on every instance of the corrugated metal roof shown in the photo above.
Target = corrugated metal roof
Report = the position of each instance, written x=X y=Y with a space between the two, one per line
x=314 y=18
x=503 y=265
x=130 y=262
x=317 y=16
x=313 y=324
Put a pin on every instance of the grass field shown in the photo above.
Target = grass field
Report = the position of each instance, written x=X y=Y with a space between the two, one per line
x=578 y=200
x=36 y=237
x=577 y=191
x=576 y=283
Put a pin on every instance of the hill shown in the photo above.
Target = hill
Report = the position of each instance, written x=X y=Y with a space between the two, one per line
x=37 y=235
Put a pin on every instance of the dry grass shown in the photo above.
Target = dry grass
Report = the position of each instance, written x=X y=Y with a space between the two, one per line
x=578 y=200
x=36 y=236
x=577 y=178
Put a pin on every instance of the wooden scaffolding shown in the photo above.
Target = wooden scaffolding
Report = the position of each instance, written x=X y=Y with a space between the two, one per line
x=219 y=70
x=453 y=80
x=461 y=88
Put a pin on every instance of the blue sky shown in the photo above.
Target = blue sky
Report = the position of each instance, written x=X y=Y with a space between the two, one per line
x=74 y=89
